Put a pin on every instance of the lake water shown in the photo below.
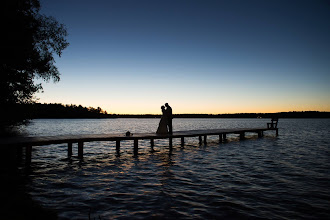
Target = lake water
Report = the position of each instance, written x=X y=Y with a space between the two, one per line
x=284 y=177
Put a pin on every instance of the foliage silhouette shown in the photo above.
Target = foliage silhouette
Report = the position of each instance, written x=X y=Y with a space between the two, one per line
x=54 y=110
x=29 y=42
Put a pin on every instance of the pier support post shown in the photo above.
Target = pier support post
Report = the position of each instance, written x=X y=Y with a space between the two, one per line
x=220 y=138
x=260 y=134
x=19 y=153
x=242 y=135
x=80 y=150
x=136 y=146
x=224 y=137
x=152 y=143
x=69 y=150
x=205 y=139
x=276 y=131
x=170 y=142
x=28 y=154
x=200 y=139
x=182 y=141
x=117 y=146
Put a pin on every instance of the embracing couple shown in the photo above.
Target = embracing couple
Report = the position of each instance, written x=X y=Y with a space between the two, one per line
x=165 y=124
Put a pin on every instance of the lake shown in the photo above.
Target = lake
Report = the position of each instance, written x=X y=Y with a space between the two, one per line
x=284 y=177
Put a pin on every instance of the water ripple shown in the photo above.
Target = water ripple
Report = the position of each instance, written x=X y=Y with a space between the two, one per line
x=284 y=177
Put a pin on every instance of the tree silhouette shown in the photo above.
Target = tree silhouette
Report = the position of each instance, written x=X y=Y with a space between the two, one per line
x=57 y=110
x=29 y=41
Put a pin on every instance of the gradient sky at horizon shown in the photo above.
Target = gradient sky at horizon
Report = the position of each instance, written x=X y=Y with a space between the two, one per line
x=130 y=57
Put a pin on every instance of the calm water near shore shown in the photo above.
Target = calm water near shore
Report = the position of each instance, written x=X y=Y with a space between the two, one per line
x=284 y=177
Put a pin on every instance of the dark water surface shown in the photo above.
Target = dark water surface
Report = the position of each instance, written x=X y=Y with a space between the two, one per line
x=284 y=177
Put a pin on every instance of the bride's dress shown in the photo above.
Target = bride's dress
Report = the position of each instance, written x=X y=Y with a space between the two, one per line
x=162 y=128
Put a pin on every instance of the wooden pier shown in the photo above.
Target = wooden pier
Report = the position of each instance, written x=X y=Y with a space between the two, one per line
x=29 y=142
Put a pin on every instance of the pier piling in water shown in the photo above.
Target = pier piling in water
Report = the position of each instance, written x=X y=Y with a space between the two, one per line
x=28 y=154
x=136 y=146
x=117 y=145
x=69 y=149
x=152 y=143
x=170 y=142
x=80 y=150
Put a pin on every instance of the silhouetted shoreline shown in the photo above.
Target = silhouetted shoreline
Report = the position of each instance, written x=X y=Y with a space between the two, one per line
x=60 y=111
x=306 y=114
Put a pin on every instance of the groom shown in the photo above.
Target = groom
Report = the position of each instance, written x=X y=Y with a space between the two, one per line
x=168 y=112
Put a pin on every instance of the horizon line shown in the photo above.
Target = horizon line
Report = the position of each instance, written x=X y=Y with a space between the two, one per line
x=315 y=111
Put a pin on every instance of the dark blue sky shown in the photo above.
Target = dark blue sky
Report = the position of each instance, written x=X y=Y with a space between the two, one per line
x=227 y=56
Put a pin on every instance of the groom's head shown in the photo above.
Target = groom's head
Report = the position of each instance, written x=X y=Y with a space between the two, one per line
x=166 y=104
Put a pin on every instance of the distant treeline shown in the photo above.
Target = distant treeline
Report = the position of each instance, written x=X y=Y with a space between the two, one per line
x=55 y=110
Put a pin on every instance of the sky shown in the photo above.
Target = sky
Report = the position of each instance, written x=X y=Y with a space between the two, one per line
x=200 y=56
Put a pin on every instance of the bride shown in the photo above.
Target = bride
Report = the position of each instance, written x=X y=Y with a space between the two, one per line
x=162 y=128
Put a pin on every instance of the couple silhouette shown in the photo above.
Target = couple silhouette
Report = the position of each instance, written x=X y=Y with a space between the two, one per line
x=165 y=124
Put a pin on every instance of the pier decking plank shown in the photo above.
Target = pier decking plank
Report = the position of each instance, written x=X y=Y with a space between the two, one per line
x=28 y=142
x=48 y=140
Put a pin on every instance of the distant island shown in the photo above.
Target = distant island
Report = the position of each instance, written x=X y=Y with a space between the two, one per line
x=55 y=110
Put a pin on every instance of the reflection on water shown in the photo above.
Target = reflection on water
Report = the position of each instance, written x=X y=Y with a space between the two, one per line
x=271 y=177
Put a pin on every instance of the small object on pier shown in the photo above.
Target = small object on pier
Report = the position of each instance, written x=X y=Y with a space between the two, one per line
x=273 y=123
x=128 y=133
